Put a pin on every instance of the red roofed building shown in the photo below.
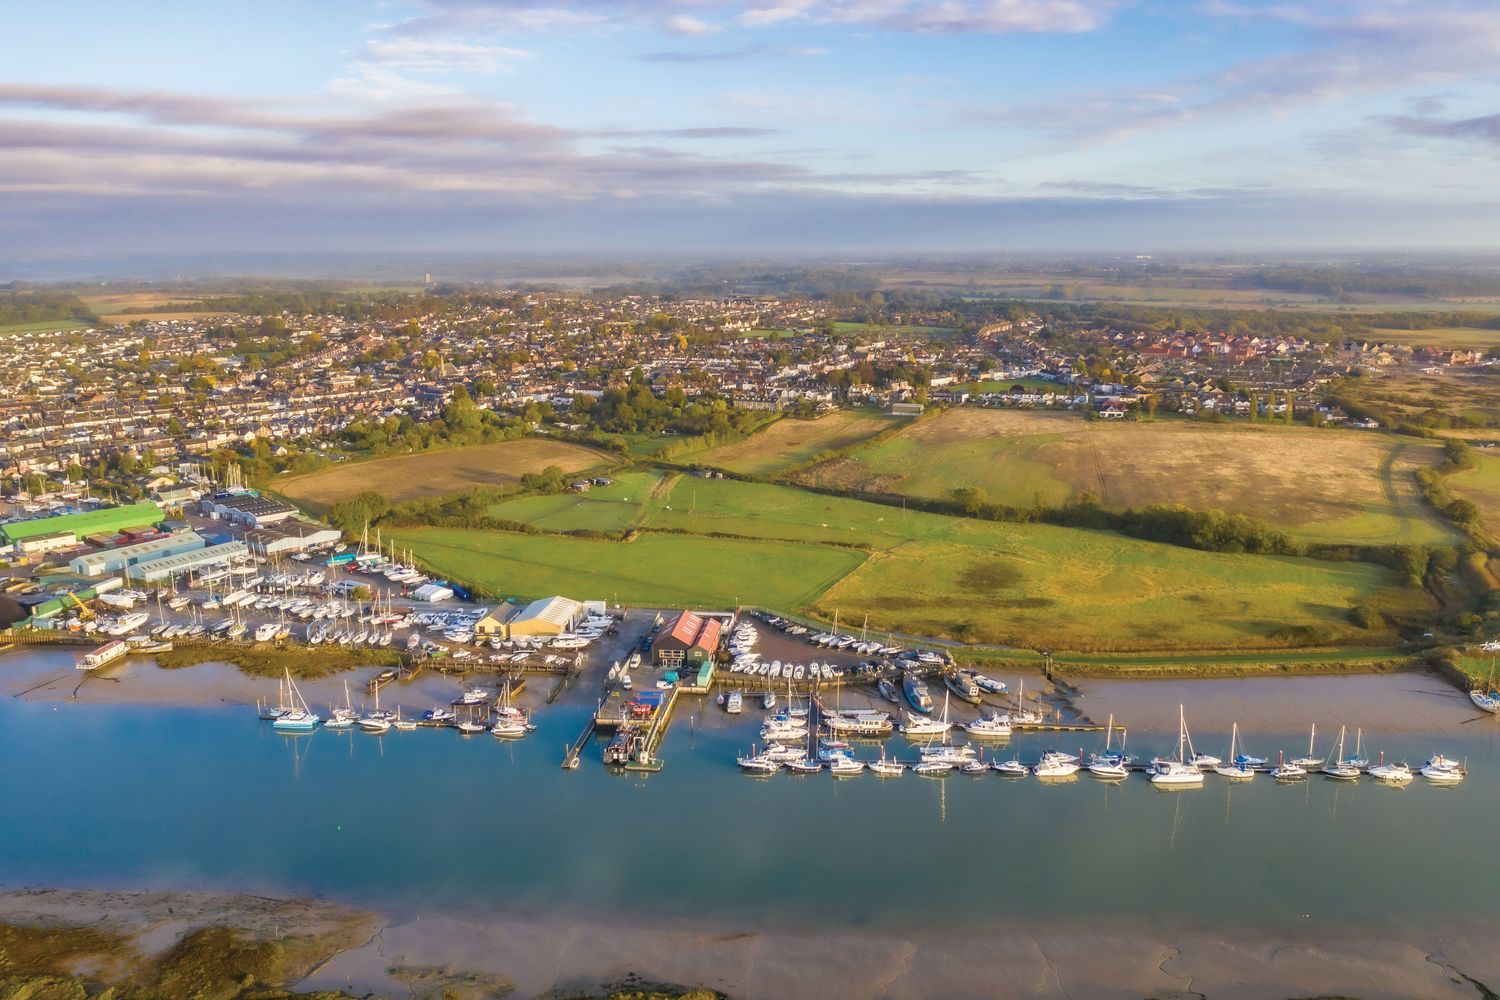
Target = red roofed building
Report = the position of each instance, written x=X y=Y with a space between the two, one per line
x=691 y=638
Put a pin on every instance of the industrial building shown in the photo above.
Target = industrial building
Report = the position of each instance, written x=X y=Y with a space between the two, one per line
x=288 y=537
x=549 y=617
x=691 y=638
x=89 y=522
x=187 y=562
x=249 y=509
x=125 y=556
x=493 y=622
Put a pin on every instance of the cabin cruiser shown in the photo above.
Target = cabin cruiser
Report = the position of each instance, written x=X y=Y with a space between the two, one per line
x=1056 y=765
x=845 y=767
x=917 y=694
x=1396 y=773
x=1442 y=770
x=933 y=768
x=989 y=683
x=1010 y=768
x=918 y=725
x=758 y=764
x=962 y=684
x=994 y=726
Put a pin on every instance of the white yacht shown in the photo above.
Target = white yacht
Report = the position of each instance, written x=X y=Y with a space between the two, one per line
x=1176 y=771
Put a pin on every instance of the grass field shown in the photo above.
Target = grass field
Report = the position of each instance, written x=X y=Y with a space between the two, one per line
x=651 y=570
x=614 y=508
x=790 y=441
x=1481 y=485
x=44 y=326
x=1452 y=337
x=894 y=331
x=435 y=473
x=1318 y=485
x=1455 y=392
x=977 y=581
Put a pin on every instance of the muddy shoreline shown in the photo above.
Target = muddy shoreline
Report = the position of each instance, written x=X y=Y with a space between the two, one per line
x=365 y=954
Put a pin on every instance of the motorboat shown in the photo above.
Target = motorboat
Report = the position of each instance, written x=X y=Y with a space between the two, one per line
x=845 y=767
x=933 y=768
x=888 y=691
x=961 y=683
x=1102 y=767
x=994 y=726
x=916 y=693
x=758 y=764
x=918 y=725
x=1176 y=771
x=1286 y=770
x=1055 y=766
x=1442 y=770
x=735 y=703
x=803 y=765
x=974 y=767
x=989 y=684
x=1395 y=773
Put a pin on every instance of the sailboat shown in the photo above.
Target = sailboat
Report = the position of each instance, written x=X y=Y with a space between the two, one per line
x=1237 y=769
x=342 y=716
x=1312 y=759
x=1337 y=766
x=377 y=721
x=1487 y=701
x=1110 y=763
x=299 y=719
x=1176 y=771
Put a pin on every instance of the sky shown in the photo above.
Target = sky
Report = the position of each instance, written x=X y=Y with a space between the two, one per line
x=721 y=126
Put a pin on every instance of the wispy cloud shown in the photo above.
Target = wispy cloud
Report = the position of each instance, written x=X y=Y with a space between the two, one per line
x=685 y=16
x=730 y=55
x=419 y=55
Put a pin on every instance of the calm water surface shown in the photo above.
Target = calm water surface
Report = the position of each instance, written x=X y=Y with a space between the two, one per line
x=148 y=797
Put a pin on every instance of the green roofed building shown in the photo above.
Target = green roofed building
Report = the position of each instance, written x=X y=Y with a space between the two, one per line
x=91 y=522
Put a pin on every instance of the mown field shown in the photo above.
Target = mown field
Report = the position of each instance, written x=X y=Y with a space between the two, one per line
x=614 y=508
x=1317 y=484
x=436 y=473
x=982 y=582
x=652 y=569
x=790 y=441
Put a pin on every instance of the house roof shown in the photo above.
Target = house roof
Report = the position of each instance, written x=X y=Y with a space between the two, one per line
x=693 y=629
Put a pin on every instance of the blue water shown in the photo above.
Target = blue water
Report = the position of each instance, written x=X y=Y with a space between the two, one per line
x=144 y=797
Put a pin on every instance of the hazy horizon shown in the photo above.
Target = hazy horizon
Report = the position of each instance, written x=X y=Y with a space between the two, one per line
x=508 y=127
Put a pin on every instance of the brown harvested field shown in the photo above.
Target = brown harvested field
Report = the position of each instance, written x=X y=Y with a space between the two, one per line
x=1319 y=484
x=437 y=473
x=163 y=305
x=790 y=441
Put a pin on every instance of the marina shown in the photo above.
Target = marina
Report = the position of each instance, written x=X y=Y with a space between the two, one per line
x=327 y=836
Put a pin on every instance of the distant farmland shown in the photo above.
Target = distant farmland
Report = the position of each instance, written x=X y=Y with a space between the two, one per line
x=1316 y=484
x=436 y=473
